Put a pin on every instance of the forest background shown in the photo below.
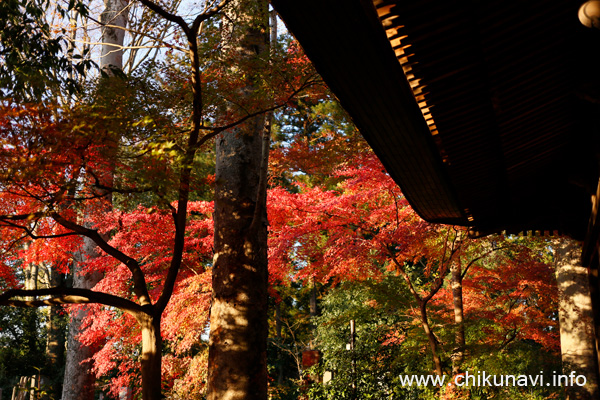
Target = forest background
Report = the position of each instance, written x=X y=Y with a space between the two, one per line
x=99 y=151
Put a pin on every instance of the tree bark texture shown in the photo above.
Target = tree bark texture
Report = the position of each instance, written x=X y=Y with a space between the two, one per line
x=115 y=18
x=577 y=340
x=238 y=323
x=55 y=345
x=151 y=359
x=458 y=353
x=313 y=299
x=433 y=342
x=237 y=366
x=55 y=326
x=79 y=380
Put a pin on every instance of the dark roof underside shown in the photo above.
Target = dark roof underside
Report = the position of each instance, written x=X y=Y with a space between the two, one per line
x=510 y=90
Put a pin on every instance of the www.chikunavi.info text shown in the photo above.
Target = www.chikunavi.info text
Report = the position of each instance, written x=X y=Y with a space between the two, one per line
x=481 y=378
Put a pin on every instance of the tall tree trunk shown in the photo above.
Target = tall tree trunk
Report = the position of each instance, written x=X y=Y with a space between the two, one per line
x=56 y=338
x=151 y=359
x=79 y=380
x=577 y=340
x=55 y=345
x=237 y=364
x=433 y=342
x=115 y=18
x=313 y=308
x=31 y=277
x=458 y=353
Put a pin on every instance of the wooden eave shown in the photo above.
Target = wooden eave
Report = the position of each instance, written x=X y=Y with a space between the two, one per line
x=371 y=86
x=485 y=113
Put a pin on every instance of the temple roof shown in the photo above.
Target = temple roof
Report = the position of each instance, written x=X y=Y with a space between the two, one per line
x=486 y=113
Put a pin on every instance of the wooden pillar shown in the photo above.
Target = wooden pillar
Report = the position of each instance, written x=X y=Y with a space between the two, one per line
x=577 y=333
x=591 y=260
x=592 y=270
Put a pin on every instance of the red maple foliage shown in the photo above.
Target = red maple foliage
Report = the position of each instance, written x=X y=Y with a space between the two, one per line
x=147 y=234
x=362 y=226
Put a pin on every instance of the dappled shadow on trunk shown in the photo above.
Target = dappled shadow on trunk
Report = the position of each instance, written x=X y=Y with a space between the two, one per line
x=577 y=338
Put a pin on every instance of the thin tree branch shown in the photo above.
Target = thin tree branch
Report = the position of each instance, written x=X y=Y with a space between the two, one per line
x=216 y=130
x=206 y=15
x=32 y=235
x=64 y=295
x=12 y=245
x=166 y=14
x=24 y=217
x=411 y=288
x=487 y=253
x=509 y=337
x=140 y=287
x=131 y=30
x=439 y=283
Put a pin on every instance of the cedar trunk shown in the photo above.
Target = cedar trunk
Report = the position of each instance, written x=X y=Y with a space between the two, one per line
x=237 y=363
x=237 y=366
x=458 y=354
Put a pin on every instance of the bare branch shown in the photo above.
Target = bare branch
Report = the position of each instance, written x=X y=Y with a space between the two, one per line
x=508 y=338
x=12 y=245
x=138 y=47
x=122 y=190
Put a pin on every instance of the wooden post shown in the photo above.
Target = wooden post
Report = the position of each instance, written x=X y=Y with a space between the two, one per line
x=32 y=386
x=590 y=259
x=352 y=343
x=577 y=338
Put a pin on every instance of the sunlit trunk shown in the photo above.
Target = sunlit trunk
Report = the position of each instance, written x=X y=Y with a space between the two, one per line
x=458 y=353
x=114 y=17
x=238 y=324
x=151 y=359
x=237 y=365
x=433 y=343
